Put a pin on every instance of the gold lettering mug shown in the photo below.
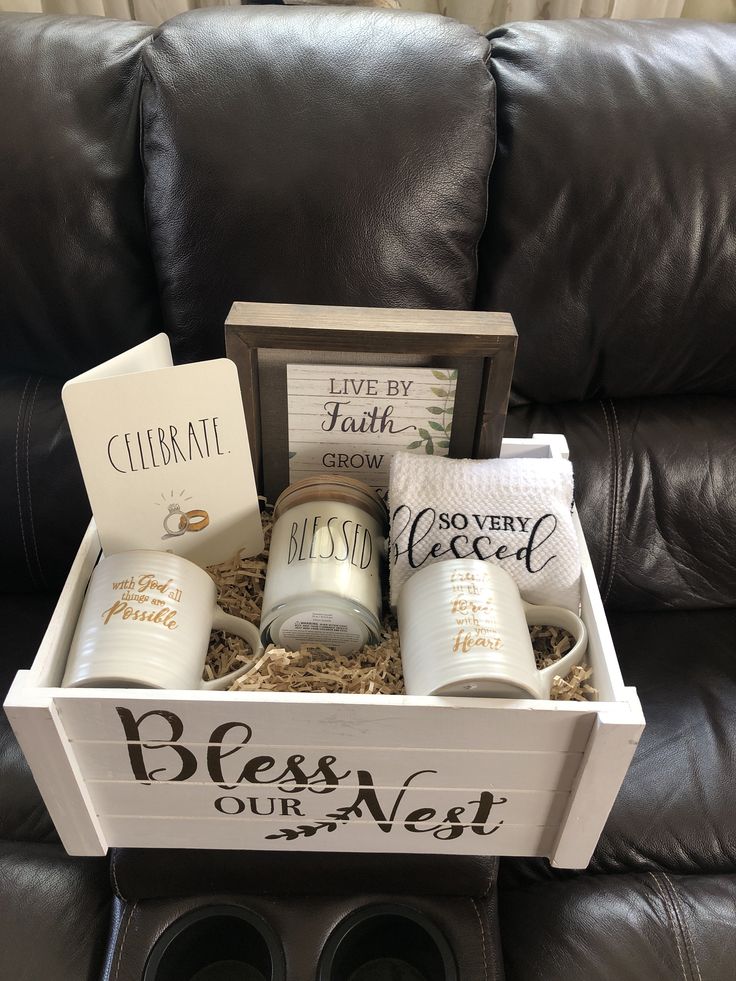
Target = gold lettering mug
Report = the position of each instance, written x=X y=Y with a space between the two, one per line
x=145 y=623
x=464 y=630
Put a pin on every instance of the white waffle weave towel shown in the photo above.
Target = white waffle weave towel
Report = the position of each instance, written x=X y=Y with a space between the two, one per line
x=515 y=513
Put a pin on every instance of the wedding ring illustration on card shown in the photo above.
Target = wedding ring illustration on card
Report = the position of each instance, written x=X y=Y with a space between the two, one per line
x=178 y=522
x=194 y=520
x=175 y=513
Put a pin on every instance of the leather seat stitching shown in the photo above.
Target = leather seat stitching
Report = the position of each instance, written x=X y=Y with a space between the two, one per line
x=667 y=903
x=617 y=503
x=28 y=481
x=482 y=938
x=606 y=580
x=680 y=913
x=122 y=942
x=17 y=479
x=113 y=872
x=487 y=184
x=493 y=880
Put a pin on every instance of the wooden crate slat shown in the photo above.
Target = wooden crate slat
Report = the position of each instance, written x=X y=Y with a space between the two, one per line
x=609 y=753
x=365 y=721
x=260 y=803
x=184 y=832
x=455 y=769
x=40 y=735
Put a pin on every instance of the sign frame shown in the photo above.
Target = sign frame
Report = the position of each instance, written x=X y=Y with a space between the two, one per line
x=422 y=338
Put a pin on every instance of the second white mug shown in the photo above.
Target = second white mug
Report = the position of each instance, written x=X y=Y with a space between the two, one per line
x=464 y=630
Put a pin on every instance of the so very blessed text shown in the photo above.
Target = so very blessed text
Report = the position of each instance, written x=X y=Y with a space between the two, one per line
x=431 y=534
x=310 y=793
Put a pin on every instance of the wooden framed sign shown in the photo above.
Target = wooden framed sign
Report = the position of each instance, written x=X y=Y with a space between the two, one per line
x=340 y=389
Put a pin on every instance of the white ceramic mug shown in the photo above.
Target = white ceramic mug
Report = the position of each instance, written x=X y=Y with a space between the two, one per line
x=145 y=623
x=464 y=630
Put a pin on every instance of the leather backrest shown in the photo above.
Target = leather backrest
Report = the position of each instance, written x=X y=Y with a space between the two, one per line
x=611 y=234
x=41 y=491
x=313 y=155
x=612 y=240
x=76 y=278
x=655 y=486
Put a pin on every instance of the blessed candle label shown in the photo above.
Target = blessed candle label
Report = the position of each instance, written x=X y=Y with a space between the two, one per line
x=350 y=420
x=325 y=538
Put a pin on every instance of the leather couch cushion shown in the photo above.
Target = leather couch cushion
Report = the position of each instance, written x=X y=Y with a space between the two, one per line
x=612 y=219
x=76 y=280
x=636 y=927
x=654 y=486
x=55 y=914
x=674 y=812
x=313 y=156
x=676 y=808
x=42 y=496
x=23 y=814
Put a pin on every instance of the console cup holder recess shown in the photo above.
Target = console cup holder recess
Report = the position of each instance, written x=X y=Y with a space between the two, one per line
x=216 y=943
x=387 y=943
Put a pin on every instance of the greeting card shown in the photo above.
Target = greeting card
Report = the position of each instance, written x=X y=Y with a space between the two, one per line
x=164 y=454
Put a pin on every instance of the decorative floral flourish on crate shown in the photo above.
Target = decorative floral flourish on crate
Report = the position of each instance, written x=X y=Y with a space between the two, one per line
x=341 y=815
x=441 y=424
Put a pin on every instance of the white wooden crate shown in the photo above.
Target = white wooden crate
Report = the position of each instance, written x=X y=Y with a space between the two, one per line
x=181 y=769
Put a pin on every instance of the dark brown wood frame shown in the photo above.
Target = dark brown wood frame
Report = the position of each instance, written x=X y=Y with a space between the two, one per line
x=284 y=326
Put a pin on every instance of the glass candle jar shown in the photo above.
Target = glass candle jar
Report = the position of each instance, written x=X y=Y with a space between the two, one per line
x=323 y=583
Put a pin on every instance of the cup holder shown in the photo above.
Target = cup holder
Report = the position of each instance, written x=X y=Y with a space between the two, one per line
x=387 y=943
x=216 y=943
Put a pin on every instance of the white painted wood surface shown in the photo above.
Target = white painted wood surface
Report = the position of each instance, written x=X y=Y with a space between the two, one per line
x=145 y=832
x=368 y=721
x=601 y=653
x=611 y=748
x=48 y=666
x=37 y=728
x=293 y=806
x=559 y=764
x=104 y=761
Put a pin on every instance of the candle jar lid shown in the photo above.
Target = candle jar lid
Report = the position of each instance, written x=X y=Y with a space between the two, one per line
x=324 y=488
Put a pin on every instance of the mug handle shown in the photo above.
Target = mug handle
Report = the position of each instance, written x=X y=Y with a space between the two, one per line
x=557 y=616
x=241 y=628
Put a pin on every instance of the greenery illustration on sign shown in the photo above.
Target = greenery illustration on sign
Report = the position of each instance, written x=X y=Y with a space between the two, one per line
x=441 y=423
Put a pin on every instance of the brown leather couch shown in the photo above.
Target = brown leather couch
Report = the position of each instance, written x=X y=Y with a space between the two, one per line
x=579 y=174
